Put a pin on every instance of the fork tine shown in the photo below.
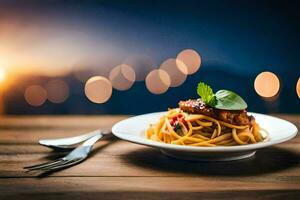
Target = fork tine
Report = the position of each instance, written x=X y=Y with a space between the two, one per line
x=74 y=157
x=38 y=166
x=62 y=165
x=47 y=168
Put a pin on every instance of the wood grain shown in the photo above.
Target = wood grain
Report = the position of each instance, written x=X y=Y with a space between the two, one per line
x=122 y=170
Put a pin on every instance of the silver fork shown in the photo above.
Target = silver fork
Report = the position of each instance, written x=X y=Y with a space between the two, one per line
x=76 y=156
x=70 y=142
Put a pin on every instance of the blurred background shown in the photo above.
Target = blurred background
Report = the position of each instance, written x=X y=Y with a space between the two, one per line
x=133 y=57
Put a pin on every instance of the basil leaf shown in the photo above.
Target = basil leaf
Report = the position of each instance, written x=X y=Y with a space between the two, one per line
x=229 y=100
x=206 y=94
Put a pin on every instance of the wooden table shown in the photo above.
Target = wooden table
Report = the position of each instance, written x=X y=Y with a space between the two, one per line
x=121 y=170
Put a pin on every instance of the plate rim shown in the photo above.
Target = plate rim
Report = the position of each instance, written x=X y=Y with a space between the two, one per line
x=248 y=147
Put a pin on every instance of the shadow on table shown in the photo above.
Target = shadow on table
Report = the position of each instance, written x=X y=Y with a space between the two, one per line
x=265 y=161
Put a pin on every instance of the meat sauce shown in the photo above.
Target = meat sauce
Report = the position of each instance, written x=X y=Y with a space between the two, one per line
x=236 y=117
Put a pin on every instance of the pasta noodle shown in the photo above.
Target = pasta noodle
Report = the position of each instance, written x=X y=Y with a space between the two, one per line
x=201 y=130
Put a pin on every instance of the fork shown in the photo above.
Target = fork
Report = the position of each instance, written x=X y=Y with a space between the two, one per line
x=70 y=142
x=76 y=156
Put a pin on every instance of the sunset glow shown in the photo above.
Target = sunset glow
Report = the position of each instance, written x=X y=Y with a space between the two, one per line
x=2 y=74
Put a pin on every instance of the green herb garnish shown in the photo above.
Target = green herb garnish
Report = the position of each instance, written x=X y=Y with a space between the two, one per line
x=207 y=95
x=223 y=99
x=177 y=127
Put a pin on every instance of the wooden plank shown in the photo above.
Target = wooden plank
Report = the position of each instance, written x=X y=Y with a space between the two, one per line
x=120 y=158
x=33 y=136
x=57 y=122
x=138 y=184
x=20 y=130
x=145 y=188
x=117 y=195
x=295 y=119
x=230 y=194
x=32 y=147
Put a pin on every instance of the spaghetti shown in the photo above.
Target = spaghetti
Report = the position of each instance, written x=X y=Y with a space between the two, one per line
x=181 y=128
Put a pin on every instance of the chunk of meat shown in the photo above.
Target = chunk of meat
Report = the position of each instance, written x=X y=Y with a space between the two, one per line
x=236 y=117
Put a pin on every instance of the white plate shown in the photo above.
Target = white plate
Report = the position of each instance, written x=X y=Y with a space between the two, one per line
x=133 y=130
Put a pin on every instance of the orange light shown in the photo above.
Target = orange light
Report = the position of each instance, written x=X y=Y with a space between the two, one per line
x=122 y=77
x=176 y=69
x=35 y=95
x=158 y=81
x=298 y=87
x=266 y=84
x=98 y=89
x=57 y=91
x=2 y=74
x=191 y=59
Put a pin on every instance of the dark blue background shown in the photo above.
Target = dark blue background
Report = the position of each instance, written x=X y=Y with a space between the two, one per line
x=236 y=39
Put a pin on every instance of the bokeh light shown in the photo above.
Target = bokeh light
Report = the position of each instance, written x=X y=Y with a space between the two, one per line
x=141 y=64
x=122 y=77
x=191 y=59
x=57 y=91
x=267 y=84
x=298 y=87
x=35 y=95
x=98 y=89
x=158 y=81
x=176 y=69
